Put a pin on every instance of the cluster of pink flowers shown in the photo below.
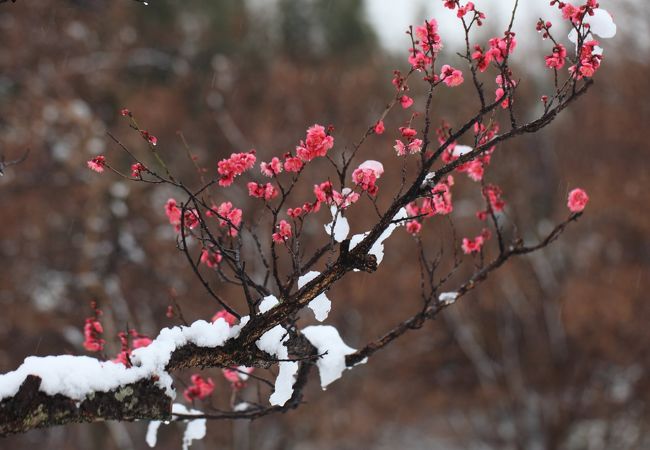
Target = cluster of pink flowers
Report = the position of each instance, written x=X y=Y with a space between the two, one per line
x=295 y=213
x=93 y=330
x=93 y=342
x=265 y=192
x=365 y=179
x=200 y=388
x=474 y=168
x=292 y=163
x=412 y=145
x=399 y=81
x=150 y=138
x=440 y=202
x=576 y=14
x=234 y=166
x=429 y=44
x=272 y=168
x=97 y=164
x=499 y=49
x=173 y=213
x=544 y=27
x=463 y=10
x=284 y=232
x=308 y=207
x=589 y=61
x=475 y=245
x=366 y=175
x=317 y=143
x=405 y=101
x=413 y=227
x=492 y=194
x=137 y=169
x=229 y=217
x=345 y=198
x=211 y=258
x=577 y=200
x=501 y=89
x=191 y=219
x=137 y=341
x=324 y=193
x=450 y=76
x=557 y=59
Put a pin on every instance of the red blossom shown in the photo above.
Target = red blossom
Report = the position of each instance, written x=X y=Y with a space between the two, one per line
x=292 y=163
x=492 y=194
x=200 y=388
x=237 y=376
x=475 y=245
x=557 y=59
x=97 y=164
x=317 y=143
x=211 y=258
x=406 y=101
x=284 y=232
x=365 y=179
x=266 y=191
x=577 y=200
x=407 y=132
x=271 y=168
x=150 y=138
x=589 y=61
x=225 y=315
x=413 y=227
x=234 y=166
x=228 y=216
x=450 y=76
x=137 y=169
x=93 y=330
x=345 y=198
x=294 y=213
x=441 y=197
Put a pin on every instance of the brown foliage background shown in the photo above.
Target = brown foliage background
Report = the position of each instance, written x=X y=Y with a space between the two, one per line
x=550 y=353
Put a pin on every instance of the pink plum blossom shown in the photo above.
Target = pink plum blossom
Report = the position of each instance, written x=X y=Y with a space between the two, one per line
x=577 y=200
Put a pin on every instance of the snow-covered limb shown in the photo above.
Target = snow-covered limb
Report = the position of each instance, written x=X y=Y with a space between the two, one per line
x=77 y=377
x=57 y=390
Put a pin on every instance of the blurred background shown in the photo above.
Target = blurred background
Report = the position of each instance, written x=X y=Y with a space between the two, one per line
x=550 y=353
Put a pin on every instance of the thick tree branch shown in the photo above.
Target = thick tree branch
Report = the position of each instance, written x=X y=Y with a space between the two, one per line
x=30 y=408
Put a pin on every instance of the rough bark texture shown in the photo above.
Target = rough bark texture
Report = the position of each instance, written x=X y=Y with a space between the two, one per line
x=30 y=408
